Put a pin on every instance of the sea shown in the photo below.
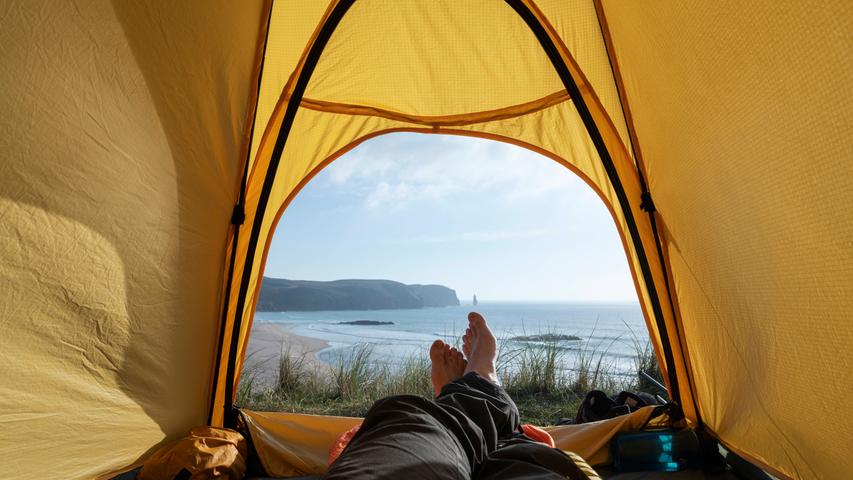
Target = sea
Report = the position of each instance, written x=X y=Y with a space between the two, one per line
x=612 y=333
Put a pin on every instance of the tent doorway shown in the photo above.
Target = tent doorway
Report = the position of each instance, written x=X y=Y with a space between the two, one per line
x=475 y=215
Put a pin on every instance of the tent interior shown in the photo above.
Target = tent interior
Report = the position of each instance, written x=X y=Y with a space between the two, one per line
x=150 y=148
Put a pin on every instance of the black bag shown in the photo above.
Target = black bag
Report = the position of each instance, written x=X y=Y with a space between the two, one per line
x=598 y=406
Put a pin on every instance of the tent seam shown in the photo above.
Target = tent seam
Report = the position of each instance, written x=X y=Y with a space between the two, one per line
x=325 y=33
x=561 y=60
x=642 y=175
x=234 y=230
x=453 y=120
x=283 y=99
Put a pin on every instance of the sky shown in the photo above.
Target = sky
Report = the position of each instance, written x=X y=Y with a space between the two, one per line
x=478 y=216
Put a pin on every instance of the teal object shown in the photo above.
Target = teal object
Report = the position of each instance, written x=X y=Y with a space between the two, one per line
x=656 y=451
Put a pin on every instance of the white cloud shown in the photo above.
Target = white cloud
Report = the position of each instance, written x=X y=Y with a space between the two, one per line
x=386 y=195
x=487 y=236
x=395 y=170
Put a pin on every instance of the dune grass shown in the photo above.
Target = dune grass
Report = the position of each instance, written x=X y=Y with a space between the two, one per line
x=535 y=374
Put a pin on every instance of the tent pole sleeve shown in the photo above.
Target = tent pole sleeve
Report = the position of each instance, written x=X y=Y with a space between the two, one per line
x=238 y=217
x=565 y=75
x=647 y=198
x=234 y=239
x=289 y=116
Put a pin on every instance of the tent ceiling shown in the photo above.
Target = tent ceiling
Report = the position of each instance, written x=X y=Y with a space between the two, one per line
x=433 y=59
x=436 y=58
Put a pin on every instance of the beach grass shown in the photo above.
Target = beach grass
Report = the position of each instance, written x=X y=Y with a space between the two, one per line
x=535 y=374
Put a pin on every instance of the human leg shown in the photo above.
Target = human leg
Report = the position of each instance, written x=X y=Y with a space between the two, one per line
x=411 y=437
x=471 y=429
x=524 y=459
x=512 y=455
x=486 y=404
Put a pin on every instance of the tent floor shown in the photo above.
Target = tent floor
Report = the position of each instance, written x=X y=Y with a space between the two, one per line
x=684 y=475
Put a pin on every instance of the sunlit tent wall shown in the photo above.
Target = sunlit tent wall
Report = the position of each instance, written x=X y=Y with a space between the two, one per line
x=131 y=130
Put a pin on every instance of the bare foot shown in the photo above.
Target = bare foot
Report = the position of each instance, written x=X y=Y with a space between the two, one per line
x=448 y=364
x=480 y=347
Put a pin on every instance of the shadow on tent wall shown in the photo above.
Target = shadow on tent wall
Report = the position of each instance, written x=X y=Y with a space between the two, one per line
x=204 y=183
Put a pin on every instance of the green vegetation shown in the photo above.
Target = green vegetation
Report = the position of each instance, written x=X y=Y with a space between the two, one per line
x=532 y=373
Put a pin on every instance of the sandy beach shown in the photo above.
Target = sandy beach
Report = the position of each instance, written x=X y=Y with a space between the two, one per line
x=267 y=342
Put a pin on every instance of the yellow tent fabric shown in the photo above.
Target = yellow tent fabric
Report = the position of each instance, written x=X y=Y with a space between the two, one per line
x=126 y=128
x=746 y=136
x=121 y=128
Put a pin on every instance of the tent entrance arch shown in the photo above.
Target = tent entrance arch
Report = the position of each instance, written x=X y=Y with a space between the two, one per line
x=341 y=154
x=245 y=280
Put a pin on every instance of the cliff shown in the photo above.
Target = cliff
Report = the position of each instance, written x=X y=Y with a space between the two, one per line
x=279 y=295
x=434 y=295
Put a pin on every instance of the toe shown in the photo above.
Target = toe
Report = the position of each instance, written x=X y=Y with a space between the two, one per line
x=476 y=321
x=436 y=349
x=456 y=361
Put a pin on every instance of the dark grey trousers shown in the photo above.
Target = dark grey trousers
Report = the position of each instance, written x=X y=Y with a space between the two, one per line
x=471 y=431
